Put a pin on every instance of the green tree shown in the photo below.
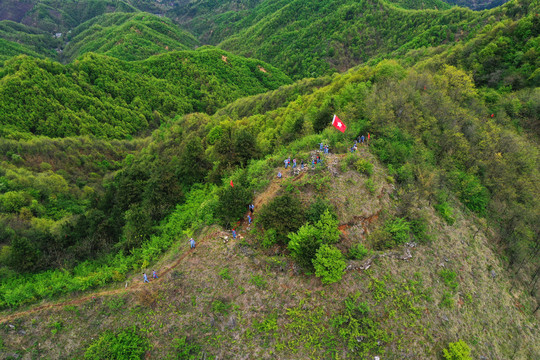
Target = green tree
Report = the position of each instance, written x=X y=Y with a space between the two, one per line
x=284 y=213
x=306 y=241
x=232 y=204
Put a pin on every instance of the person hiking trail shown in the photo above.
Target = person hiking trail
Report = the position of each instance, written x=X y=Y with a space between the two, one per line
x=294 y=163
x=362 y=138
x=249 y=219
x=279 y=175
x=154 y=274
x=192 y=243
x=234 y=234
x=251 y=208
x=286 y=163
x=145 y=278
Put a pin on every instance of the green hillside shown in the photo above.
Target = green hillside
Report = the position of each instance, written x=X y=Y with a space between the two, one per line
x=29 y=41
x=421 y=242
x=430 y=186
x=314 y=38
x=9 y=49
x=59 y=16
x=127 y=37
x=111 y=98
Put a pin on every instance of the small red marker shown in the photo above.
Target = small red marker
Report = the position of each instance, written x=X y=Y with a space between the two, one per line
x=492 y=115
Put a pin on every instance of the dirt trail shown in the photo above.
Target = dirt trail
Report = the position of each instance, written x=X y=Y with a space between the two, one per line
x=136 y=285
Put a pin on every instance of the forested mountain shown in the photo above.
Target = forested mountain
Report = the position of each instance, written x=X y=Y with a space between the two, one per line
x=106 y=97
x=27 y=39
x=55 y=16
x=126 y=135
x=8 y=49
x=314 y=38
x=127 y=37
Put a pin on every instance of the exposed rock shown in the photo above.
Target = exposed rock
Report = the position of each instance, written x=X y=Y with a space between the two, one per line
x=493 y=274
x=359 y=265
x=231 y=324
x=21 y=332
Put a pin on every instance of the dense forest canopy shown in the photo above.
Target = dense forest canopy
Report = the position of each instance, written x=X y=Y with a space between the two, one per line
x=106 y=97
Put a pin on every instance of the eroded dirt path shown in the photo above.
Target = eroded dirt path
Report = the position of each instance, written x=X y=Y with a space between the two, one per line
x=134 y=281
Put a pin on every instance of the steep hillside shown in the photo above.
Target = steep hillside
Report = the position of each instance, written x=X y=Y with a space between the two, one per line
x=58 y=16
x=127 y=37
x=432 y=207
x=238 y=298
x=9 y=49
x=107 y=97
x=506 y=54
x=29 y=41
x=314 y=38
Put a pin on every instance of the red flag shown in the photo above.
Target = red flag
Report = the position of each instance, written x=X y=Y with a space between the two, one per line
x=232 y=184
x=338 y=124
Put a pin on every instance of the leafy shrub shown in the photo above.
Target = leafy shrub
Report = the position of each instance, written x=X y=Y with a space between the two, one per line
x=115 y=303
x=399 y=229
x=470 y=191
x=363 y=166
x=358 y=252
x=269 y=238
x=56 y=326
x=225 y=275
x=444 y=209
x=329 y=264
x=457 y=351
x=370 y=185
x=284 y=213
x=258 y=281
x=356 y=321
x=394 y=232
x=220 y=307
x=450 y=278
x=186 y=350
x=447 y=300
x=446 y=212
x=124 y=344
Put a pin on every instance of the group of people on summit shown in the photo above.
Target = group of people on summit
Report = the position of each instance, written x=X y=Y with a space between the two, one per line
x=294 y=163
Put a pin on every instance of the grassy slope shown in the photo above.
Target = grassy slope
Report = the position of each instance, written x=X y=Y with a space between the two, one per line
x=127 y=37
x=262 y=308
